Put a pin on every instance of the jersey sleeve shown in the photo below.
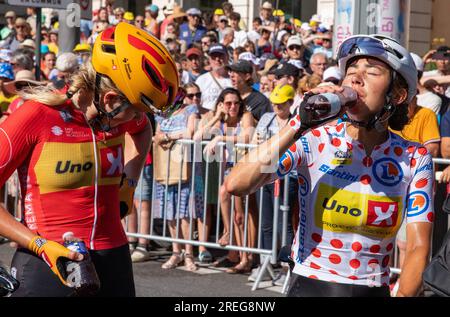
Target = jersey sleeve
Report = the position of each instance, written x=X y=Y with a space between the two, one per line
x=301 y=153
x=18 y=135
x=431 y=129
x=419 y=201
x=136 y=125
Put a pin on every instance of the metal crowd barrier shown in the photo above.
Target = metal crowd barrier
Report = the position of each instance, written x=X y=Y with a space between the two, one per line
x=281 y=204
x=270 y=255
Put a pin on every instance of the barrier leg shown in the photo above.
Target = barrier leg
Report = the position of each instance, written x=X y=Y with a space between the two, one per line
x=262 y=269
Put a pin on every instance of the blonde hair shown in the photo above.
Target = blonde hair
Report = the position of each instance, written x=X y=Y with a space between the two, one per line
x=307 y=83
x=83 y=79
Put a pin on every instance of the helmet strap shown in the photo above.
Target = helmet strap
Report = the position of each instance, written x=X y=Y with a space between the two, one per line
x=102 y=114
x=377 y=121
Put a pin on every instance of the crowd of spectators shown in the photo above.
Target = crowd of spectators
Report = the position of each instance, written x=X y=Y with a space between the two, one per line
x=237 y=78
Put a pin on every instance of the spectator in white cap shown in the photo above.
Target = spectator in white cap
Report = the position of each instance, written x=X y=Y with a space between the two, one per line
x=212 y=83
x=192 y=31
x=295 y=48
x=222 y=25
x=266 y=14
x=240 y=36
x=10 y=18
x=426 y=97
x=332 y=75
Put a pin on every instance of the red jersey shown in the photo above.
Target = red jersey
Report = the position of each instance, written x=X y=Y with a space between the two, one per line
x=69 y=174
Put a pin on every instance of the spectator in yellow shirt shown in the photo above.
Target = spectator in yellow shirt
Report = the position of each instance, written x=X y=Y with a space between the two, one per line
x=422 y=128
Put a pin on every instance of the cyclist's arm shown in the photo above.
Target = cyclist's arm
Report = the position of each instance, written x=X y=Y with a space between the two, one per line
x=419 y=217
x=137 y=145
x=418 y=237
x=251 y=172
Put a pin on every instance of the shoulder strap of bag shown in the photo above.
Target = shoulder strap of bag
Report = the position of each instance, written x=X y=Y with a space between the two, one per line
x=216 y=81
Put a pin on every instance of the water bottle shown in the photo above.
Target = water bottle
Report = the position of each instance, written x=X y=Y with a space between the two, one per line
x=81 y=275
x=330 y=104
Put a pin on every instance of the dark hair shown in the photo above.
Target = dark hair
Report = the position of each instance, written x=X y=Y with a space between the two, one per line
x=400 y=117
x=235 y=16
x=257 y=19
x=227 y=6
x=232 y=91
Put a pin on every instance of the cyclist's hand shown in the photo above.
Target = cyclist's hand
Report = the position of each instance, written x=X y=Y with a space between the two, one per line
x=309 y=117
x=51 y=252
x=126 y=195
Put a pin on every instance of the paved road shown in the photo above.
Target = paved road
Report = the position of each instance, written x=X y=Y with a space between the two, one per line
x=152 y=281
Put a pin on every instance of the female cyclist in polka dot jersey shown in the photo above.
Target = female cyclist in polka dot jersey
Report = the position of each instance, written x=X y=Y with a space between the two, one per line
x=357 y=181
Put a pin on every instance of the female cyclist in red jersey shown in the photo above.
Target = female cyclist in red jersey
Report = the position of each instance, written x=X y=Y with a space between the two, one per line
x=79 y=156
x=357 y=180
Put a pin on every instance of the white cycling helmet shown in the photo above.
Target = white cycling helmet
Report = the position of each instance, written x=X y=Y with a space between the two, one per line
x=385 y=49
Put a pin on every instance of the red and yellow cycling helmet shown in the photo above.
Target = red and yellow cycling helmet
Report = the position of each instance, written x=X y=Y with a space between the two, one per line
x=139 y=65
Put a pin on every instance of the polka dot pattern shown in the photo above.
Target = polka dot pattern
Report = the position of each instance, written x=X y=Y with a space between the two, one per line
x=336 y=142
x=385 y=261
x=413 y=162
x=366 y=180
x=293 y=148
x=321 y=146
x=422 y=150
x=315 y=266
x=375 y=249
x=316 y=133
x=356 y=246
x=355 y=263
x=398 y=151
x=334 y=258
x=336 y=243
x=387 y=150
x=316 y=253
x=430 y=217
x=367 y=161
x=389 y=247
x=316 y=237
x=421 y=183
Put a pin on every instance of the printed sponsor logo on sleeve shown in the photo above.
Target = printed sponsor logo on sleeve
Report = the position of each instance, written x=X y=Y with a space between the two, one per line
x=418 y=202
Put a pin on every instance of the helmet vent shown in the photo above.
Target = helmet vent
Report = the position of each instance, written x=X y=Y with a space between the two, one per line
x=152 y=74
x=111 y=49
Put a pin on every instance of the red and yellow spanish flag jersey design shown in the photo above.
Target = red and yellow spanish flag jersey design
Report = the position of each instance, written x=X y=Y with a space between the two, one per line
x=69 y=174
x=352 y=204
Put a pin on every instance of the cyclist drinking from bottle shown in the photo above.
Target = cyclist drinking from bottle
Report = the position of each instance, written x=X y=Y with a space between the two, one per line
x=357 y=180
x=79 y=156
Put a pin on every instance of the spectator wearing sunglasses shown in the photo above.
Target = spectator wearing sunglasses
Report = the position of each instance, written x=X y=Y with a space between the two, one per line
x=24 y=79
x=192 y=31
x=139 y=21
x=10 y=18
x=22 y=31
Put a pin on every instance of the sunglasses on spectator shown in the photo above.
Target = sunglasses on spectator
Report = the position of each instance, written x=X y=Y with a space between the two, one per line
x=191 y=96
x=20 y=26
x=294 y=47
x=139 y=21
x=230 y=103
